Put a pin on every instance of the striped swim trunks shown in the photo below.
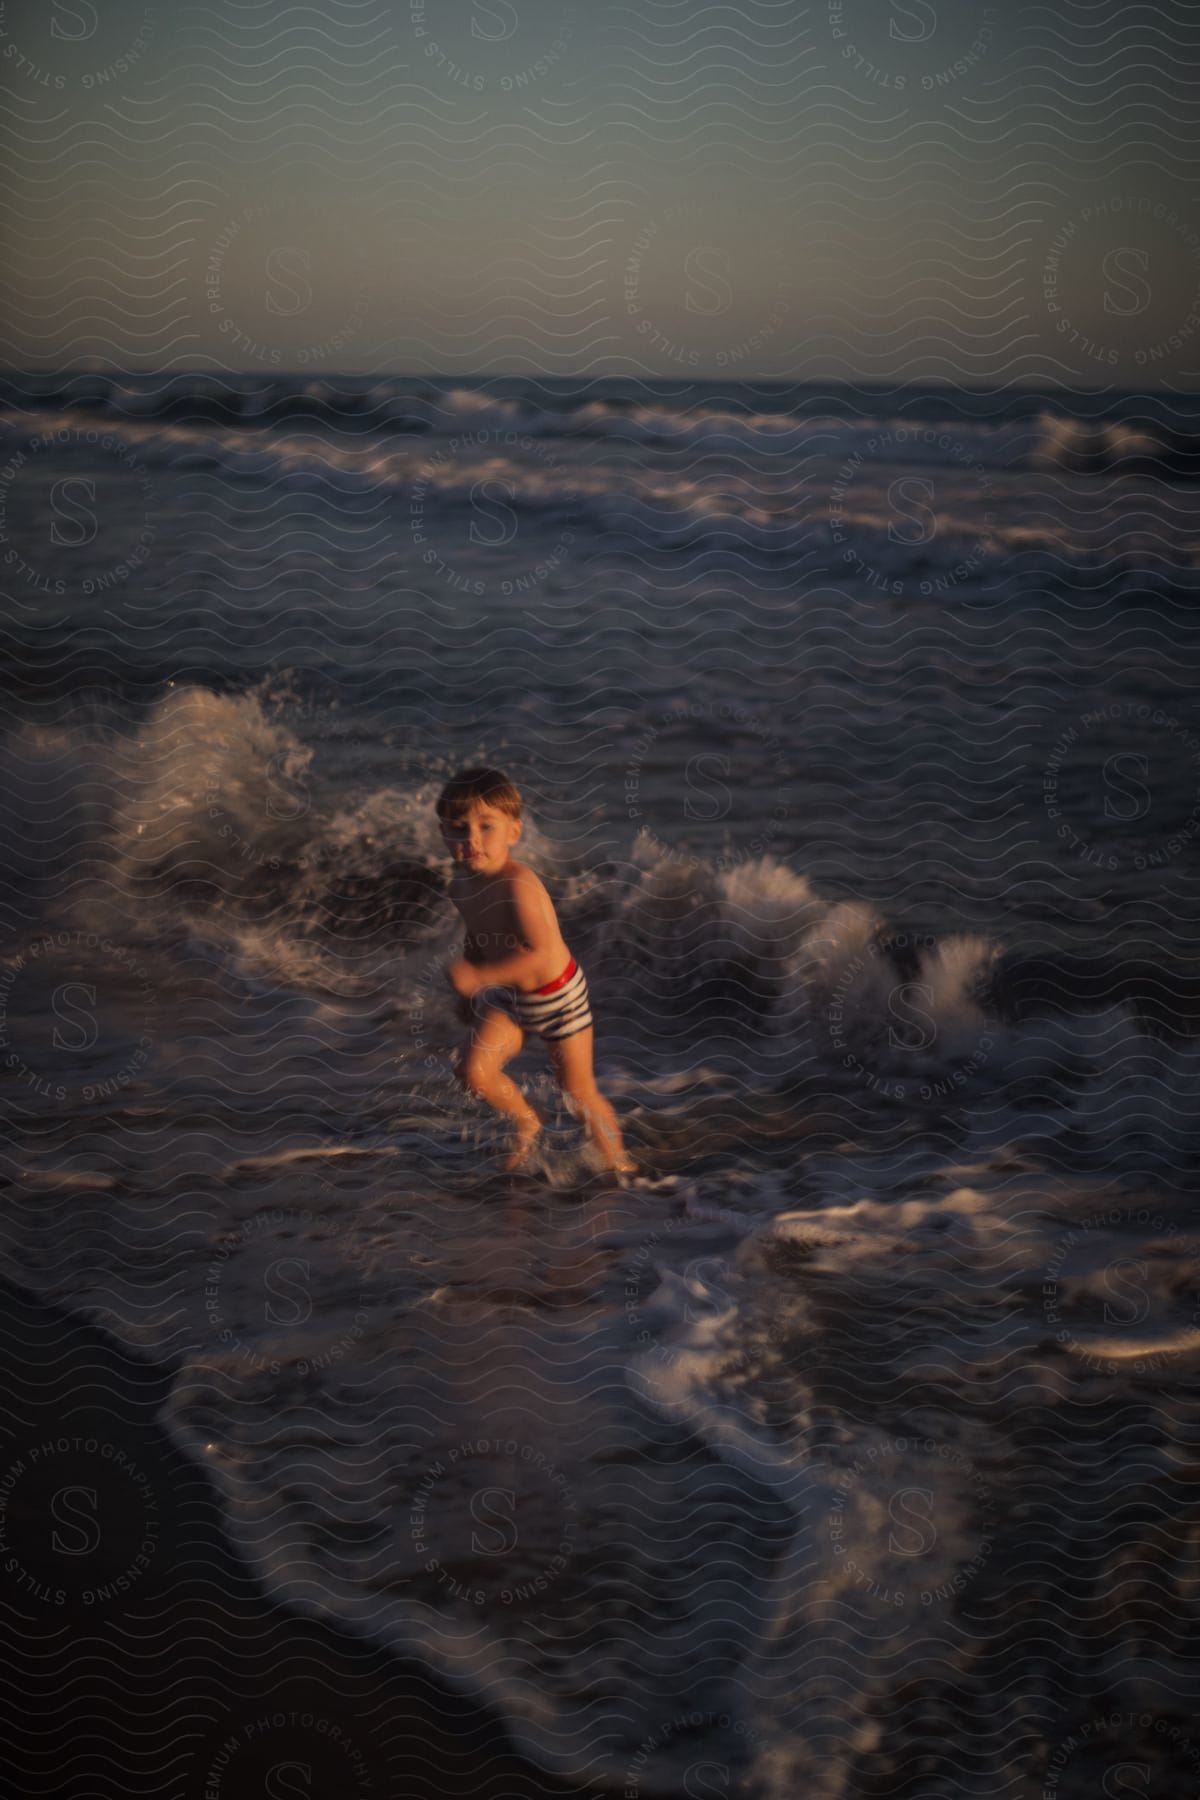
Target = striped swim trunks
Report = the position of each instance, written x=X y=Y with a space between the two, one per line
x=559 y=1009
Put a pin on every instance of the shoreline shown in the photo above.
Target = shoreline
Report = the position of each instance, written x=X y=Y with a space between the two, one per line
x=146 y=1658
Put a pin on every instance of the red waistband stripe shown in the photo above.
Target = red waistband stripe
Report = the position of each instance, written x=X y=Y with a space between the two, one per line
x=552 y=986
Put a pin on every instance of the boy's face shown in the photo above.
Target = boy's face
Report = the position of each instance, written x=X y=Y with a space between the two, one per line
x=482 y=840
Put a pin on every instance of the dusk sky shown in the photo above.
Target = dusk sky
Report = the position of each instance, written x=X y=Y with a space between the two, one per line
x=866 y=190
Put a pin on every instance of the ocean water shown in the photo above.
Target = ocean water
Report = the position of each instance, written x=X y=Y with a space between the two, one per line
x=851 y=1447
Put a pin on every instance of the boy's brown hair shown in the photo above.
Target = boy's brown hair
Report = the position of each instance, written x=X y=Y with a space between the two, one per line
x=469 y=785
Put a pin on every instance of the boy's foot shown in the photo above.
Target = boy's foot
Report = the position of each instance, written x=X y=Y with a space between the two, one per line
x=624 y=1165
x=519 y=1156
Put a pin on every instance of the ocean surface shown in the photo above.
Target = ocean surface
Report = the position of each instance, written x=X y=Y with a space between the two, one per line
x=852 y=1448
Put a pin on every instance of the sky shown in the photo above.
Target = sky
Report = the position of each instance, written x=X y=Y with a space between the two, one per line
x=853 y=190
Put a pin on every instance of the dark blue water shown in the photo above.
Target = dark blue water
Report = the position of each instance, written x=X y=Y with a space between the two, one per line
x=861 y=753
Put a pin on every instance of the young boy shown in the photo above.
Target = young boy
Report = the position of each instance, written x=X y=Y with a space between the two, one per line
x=513 y=940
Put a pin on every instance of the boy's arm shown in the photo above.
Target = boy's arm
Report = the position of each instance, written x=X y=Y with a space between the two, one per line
x=462 y=1003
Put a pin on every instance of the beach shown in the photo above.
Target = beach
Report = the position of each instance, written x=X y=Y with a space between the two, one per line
x=847 y=1449
x=161 y=1664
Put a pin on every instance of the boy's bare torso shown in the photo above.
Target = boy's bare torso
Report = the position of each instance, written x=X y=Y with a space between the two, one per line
x=487 y=906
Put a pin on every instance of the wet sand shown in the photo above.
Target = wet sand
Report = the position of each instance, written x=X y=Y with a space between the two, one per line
x=144 y=1658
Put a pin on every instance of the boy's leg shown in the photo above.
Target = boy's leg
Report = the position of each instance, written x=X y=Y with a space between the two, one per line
x=495 y=1040
x=572 y=1060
